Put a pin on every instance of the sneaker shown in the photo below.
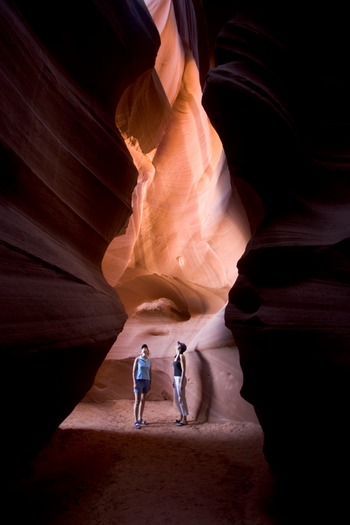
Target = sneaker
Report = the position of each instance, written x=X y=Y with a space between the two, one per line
x=137 y=425
x=143 y=422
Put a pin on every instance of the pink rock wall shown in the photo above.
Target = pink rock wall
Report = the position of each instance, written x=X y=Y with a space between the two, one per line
x=173 y=267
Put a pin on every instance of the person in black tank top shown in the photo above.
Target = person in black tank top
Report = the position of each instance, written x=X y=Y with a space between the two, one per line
x=179 y=383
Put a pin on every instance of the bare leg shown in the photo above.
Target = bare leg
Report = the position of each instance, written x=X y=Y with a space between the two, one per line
x=137 y=406
x=142 y=405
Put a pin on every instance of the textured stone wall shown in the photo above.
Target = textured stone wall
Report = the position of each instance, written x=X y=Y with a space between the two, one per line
x=123 y=205
x=279 y=99
x=66 y=185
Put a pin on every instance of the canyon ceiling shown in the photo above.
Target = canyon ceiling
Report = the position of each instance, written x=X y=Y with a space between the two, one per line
x=173 y=170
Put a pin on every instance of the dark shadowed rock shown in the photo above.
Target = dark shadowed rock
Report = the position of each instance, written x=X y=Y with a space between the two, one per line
x=279 y=100
x=66 y=185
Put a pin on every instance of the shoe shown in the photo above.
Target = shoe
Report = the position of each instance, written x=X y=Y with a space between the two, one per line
x=143 y=422
x=181 y=424
x=137 y=425
x=177 y=420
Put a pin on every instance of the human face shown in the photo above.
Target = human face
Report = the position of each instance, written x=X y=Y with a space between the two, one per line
x=144 y=353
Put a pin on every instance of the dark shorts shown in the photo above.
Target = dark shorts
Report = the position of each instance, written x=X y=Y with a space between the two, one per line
x=142 y=386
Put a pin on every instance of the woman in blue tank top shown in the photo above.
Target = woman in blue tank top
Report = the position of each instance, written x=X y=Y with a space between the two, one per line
x=141 y=373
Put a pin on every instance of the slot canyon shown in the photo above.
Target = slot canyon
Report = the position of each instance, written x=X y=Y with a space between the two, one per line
x=179 y=170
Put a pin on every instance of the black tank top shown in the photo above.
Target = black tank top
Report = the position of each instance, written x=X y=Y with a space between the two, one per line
x=177 y=367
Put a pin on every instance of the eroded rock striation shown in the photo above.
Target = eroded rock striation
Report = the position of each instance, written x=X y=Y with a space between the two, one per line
x=66 y=185
x=130 y=205
x=279 y=99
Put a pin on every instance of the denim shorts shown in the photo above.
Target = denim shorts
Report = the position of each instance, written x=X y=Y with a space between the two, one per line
x=142 y=386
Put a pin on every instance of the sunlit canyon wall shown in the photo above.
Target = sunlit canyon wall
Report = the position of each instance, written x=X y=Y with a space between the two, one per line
x=176 y=263
x=130 y=205
x=118 y=221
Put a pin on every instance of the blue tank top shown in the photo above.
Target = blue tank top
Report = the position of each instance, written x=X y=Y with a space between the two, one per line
x=143 y=368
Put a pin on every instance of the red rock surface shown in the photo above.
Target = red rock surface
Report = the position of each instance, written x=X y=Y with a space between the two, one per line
x=134 y=210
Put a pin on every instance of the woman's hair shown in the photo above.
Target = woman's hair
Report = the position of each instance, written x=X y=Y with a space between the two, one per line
x=146 y=349
x=182 y=347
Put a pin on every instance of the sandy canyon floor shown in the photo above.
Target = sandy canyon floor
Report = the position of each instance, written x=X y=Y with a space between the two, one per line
x=99 y=470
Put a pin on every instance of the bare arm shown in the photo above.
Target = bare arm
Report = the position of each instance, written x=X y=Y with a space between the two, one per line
x=134 y=368
x=183 y=367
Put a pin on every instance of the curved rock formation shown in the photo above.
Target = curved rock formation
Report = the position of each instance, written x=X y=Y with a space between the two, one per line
x=66 y=185
x=279 y=100
x=74 y=267
x=127 y=206
x=175 y=250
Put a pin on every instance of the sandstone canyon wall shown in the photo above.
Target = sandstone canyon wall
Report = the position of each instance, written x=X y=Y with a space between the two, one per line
x=174 y=266
x=116 y=212
x=66 y=186
x=279 y=99
x=134 y=210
